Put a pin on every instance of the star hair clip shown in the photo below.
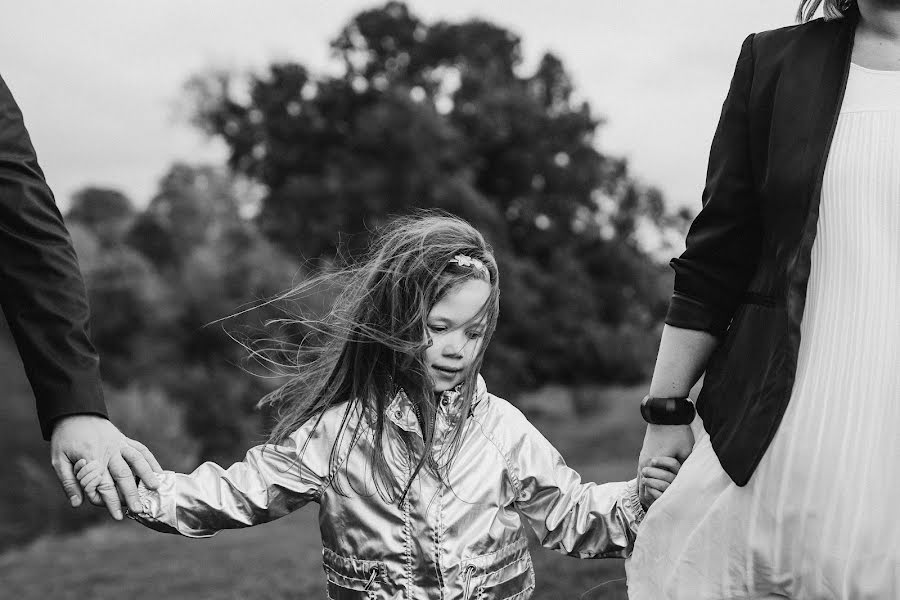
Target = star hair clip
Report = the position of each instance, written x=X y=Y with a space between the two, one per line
x=472 y=263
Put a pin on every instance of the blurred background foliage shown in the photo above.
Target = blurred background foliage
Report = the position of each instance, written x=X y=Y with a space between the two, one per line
x=440 y=115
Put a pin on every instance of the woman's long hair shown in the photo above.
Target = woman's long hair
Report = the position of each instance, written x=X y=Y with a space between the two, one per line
x=371 y=343
x=831 y=9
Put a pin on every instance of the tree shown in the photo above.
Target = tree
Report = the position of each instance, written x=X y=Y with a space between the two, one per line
x=194 y=204
x=103 y=211
x=133 y=315
x=441 y=115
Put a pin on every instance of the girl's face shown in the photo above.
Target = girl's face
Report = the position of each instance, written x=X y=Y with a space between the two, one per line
x=456 y=327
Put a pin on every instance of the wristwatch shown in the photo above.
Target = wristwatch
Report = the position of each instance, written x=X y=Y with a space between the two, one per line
x=668 y=411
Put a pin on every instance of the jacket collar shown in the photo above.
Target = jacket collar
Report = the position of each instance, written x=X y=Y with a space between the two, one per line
x=402 y=412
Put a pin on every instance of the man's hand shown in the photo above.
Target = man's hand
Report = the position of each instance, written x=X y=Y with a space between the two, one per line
x=93 y=437
x=673 y=441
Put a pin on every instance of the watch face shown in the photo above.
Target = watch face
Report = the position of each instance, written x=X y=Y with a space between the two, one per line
x=668 y=411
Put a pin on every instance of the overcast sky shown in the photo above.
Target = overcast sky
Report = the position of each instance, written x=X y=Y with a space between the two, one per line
x=100 y=82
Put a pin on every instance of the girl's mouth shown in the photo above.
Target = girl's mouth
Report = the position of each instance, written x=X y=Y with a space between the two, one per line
x=446 y=370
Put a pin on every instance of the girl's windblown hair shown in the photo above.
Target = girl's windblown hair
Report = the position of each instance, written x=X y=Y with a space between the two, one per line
x=371 y=343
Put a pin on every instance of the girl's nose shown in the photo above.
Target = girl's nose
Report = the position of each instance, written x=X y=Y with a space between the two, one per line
x=454 y=347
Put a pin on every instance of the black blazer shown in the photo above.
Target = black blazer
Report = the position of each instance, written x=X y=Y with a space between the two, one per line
x=744 y=273
x=41 y=290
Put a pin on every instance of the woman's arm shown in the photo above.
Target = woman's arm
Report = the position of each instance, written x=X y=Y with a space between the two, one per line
x=723 y=244
x=720 y=259
x=682 y=357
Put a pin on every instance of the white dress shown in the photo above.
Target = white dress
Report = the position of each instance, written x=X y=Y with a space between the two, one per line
x=819 y=518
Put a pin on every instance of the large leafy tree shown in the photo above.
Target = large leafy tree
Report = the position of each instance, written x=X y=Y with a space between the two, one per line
x=442 y=115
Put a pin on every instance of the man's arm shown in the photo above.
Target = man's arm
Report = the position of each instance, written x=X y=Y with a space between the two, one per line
x=41 y=290
x=43 y=298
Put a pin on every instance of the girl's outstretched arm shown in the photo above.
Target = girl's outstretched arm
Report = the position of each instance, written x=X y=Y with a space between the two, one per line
x=271 y=481
x=585 y=520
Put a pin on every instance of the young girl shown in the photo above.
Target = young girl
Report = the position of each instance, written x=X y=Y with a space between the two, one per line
x=422 y=477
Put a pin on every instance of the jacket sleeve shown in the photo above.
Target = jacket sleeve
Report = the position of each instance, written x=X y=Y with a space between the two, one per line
x=41 y=290
x=584 y=520
x=722 y=247
x=271 y=481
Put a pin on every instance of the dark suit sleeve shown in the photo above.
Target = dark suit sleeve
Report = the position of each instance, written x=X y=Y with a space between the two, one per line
x=724 y=240
x=41 y=289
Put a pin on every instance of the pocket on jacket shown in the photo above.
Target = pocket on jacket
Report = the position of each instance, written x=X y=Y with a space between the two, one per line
x=503 y=575
x=351 y=578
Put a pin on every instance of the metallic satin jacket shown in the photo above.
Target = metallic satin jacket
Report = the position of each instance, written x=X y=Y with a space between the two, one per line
x=463 y=540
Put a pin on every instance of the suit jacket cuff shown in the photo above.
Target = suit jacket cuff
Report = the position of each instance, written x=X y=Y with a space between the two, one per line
x=78 y=398
x=688 y=312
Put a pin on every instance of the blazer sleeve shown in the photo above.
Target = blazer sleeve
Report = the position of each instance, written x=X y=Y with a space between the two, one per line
x=722 y=247
x=41 y=289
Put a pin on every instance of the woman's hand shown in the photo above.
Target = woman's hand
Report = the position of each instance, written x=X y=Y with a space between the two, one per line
x=672 y=441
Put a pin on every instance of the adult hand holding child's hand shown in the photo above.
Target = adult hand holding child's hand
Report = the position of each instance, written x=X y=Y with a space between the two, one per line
x=121 y=458
x=656 y=478
x=673 y=441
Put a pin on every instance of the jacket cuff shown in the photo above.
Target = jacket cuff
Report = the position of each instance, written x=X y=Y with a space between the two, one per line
x=159 y=508
x=57 y=402
x=633 y=502
x=687 y=312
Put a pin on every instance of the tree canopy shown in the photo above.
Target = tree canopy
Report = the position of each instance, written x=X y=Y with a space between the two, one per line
x=420 y=115
x=443 y=115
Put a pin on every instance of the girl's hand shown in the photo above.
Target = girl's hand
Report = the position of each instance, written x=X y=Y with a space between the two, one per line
x=94 y=480
x=676 y=441
x=656 y=478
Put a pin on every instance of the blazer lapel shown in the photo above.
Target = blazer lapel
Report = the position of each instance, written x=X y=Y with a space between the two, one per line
x=829 y=94
x=809 y=87
x=821 y=121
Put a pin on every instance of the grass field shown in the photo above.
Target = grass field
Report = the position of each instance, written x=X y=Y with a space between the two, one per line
x=282 y=559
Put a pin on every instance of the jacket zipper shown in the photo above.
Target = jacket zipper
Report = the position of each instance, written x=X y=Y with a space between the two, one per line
x=371 y=579
x=467 y=581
